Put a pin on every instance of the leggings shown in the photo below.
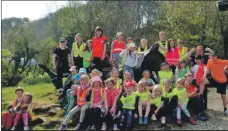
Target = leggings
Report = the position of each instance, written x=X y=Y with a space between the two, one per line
x=109 y=118
x=184 y=109
x=70 y=101
x=128 y=114
x=74 y=111
x=196 y=105
x=95 y=115
x=162 y=112
x=24 y=116
x=98 y=64
x=78 y=62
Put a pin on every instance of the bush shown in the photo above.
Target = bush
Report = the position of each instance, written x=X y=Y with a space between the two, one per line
x=31 y=80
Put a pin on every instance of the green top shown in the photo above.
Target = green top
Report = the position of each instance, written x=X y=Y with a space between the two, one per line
x=156 y=101
x=86 y=58
x=144 y=97
x=180 y=94
x=164 y=75
x=181 y=73
x=129 y=101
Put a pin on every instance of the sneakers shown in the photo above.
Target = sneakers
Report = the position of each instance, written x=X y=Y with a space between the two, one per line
x=93 y=127
x=26 y=128
x=115 y=128
x=179 y=122
x=202 y=117
x=13 y=128
x=163 y=120
x=140 y=120
x=192 y=121
x=104 y=127
x=77 y=127
x=226 y=113
x=145 y=120
x=154 y=117
x=62 y=127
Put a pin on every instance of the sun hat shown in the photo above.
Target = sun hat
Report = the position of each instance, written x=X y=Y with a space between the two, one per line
x=62 y=40
x=96 y=78
x=82 y=70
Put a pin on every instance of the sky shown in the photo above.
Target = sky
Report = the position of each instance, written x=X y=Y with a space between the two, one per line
x=32 y=9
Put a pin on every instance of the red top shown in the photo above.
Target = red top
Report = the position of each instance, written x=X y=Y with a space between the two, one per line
x=118 y=46
x=98 y=46
x=200 y=74
x=172 y=57
x=190 y=87
x=111 y=94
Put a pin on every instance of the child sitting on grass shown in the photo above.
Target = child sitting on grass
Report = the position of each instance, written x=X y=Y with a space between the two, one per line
x=183 y=99
x=7 y=117
x=144 y=102
x=24 y=109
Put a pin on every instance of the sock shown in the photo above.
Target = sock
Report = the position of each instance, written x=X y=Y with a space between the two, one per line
x=225 y=109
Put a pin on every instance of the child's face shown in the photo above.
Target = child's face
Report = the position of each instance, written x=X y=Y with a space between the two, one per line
x=95 y=74
x=115 y=74
x=129 y=41
x=19 y=93
x=198 y=61
x=96 y=84
x=98 y=33
x=26 y=98
x=180 y=84
x=89 y=44
x=120 y=37
x=165 y=67
x=128 y=75
x=78 y=38
x=189 y=78
x=167 y=85
x=83 y=82
x=182 y=65
x=141 y=88
x=109 y=85
x=172 y=44
x=146 y=75
x=144 y=43
x=129 y=89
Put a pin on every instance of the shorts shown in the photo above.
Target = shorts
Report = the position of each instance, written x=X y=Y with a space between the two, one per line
x=221 y=87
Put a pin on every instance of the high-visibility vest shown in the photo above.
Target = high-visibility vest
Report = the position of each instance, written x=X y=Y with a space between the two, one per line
x=81 y=96
x=164 y=75
x=163 y=51
x=78 y=51
x=98 y=46
x=144 y=96
x=145 y=49
x=129 y=101
x=182 y=52
x=172 y=57
x=118 y=46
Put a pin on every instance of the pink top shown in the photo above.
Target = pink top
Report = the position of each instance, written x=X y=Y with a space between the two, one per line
x=97 y=96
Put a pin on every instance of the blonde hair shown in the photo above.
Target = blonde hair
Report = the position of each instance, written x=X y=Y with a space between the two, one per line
x=30 y=97
x=95 y=71
x=110 y=80
x=142 y=84
x=168 y=81
x=143 y=40
x=157 y=91
x=181 y=80
x=86 y=77
x=125 y=75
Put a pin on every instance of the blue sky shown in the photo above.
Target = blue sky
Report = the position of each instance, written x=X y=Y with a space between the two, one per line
x=32 y=9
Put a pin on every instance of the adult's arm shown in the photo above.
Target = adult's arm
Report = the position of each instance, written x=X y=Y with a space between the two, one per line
x=189 y=54
x=123 y=53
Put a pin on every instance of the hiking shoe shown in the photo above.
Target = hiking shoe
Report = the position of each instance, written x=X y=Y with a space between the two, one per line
x=203 y=117
x=62 y=127
x=226 y=113
x=26 y=128
x=13 y=128
x=145 y=120
x=93 y=127
x=77 y=127
x=179 y=122
x=140 y=120
x=154 y=117
x=192 y=121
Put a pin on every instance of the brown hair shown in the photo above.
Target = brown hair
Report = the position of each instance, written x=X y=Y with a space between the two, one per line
x=110 y=80
x=142 y=84
x=181 y=62
x=30 y=97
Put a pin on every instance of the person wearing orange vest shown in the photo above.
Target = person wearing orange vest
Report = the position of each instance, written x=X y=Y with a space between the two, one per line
x=117 y=46
x=83 y=93
x=172 y=55
x=99 y=48
x=182 y=49
x=163 y=43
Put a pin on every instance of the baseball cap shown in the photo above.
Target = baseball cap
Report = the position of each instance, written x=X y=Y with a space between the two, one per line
x=62 y=40
x=164 y=63
x=129 y=38
x=77 y=77
x=82 y=70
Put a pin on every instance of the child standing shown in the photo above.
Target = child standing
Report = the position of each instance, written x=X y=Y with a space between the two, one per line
x=181 y=70
x=165 y=73
x=149 y=82
x=111 y=95
x=199 y=71
x=144 y=103
x=25 y=107
x=83 y=98
x=97 y=101
x=129 y=102
x=7 y=117
x=87 y=57
x=182 y=95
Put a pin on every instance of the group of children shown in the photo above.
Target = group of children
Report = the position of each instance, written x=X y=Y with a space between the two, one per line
x=20 y=110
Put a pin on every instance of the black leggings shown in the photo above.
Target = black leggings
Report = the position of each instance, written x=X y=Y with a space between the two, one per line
x=109 y=118
x=196 y=105
x=78 y=62
x=95 y=115
x=173 y=67
x=98 y=64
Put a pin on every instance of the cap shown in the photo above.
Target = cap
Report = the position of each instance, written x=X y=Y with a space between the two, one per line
x=96 y=78
x=132 y=45
x=118 y=34
x=72 y=68
x=82 y=70
x=62 y=40
x=129 y=84
x=164 y=63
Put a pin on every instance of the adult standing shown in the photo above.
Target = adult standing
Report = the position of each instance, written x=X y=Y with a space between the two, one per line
x=78 y=48
x=163 y=43
x=117 y=46
x=217 y=68
x=182 y=49
x=99 y=48
x=172 y=55
x=61 y=59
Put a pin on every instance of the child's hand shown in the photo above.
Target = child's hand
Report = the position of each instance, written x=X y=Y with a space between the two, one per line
x=112 y=110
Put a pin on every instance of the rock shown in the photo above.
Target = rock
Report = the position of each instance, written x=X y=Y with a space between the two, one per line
x=41 y=109
x=37 y=121
x=51 y=112
x=52 y=124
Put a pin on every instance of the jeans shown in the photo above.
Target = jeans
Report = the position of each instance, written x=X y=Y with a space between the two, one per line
x=117 y=58
x=126 y=113
x=129 y=69
x=184 y=109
